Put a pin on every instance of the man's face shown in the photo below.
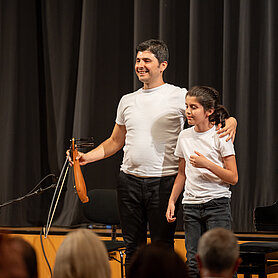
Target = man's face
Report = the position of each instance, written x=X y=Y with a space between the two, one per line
x=147 y=67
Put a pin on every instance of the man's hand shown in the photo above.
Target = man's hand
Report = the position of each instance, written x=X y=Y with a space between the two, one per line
x=80 y=156
x=229 y=129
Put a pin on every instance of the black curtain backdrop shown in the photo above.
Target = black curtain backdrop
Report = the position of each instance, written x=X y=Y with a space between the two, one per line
x=64 y=65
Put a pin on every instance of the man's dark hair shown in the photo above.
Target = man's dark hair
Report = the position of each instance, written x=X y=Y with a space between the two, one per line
x=157 y=47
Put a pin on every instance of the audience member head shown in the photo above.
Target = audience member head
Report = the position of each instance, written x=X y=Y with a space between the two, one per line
x=218 y=253
x=18 y=258
x=156 y=260
x=82 y=254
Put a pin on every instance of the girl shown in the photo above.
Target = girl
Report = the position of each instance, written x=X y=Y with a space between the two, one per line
x=207 y=167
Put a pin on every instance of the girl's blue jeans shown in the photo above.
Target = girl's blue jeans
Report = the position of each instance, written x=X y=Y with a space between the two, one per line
x=199 y=218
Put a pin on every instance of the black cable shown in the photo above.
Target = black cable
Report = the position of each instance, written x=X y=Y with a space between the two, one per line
x=49 y=175
x=30 y=193
x=44 y=254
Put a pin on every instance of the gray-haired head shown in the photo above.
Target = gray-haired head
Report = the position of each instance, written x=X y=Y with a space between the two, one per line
x=218 y=250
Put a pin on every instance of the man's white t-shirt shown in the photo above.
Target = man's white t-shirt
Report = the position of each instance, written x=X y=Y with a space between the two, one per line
x=153 y=119
x=202 y=185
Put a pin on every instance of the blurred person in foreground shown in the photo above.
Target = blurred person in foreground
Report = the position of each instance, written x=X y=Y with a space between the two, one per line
x=218 y=254
x=157 y=260
x=17 y=258
x=82 y=255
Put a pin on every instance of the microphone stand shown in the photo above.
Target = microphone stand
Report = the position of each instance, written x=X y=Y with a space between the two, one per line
x=38 y=191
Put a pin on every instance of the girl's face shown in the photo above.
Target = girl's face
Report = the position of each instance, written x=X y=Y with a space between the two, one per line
x=195 y=113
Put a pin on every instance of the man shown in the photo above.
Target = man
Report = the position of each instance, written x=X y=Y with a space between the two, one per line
x=147 y=126
x=218 y=254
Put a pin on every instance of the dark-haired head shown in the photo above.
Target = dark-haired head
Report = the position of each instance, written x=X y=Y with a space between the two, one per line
x=157 y=47
x=209 y=98
x=157 y=260
x=18 y=258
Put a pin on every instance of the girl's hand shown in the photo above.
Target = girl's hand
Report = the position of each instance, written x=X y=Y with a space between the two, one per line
x=170 y=213
x=228 y=129
x=198 y=161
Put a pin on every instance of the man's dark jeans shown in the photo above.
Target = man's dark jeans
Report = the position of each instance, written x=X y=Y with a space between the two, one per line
x=200 y=218
x=142 y=202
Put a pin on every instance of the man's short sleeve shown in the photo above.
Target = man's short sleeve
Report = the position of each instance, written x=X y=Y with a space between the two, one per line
x=120 y=114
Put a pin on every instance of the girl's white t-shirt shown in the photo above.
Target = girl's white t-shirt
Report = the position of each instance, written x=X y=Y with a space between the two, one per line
x=202 y=185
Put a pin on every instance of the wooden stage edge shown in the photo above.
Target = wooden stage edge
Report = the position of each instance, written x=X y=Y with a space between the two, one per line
x=57 y=234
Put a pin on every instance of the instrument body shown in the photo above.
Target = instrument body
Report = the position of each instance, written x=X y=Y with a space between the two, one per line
x=80 y=185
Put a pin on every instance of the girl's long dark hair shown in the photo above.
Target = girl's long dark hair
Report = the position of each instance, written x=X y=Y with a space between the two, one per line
x=209 y=98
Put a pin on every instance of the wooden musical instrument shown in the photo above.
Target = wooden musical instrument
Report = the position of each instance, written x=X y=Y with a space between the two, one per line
x=80 y=185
